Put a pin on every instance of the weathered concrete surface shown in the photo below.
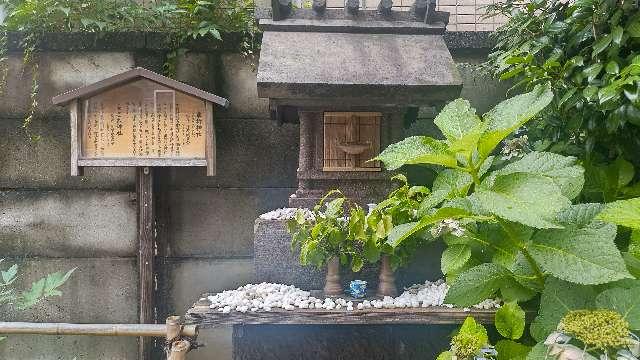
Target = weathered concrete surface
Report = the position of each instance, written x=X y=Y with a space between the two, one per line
x=250 y=154
x=218 y=222
x=44 y=164
x=59 y=72
x=190 y=278
x=67 y=224
x=38 y=347
x=238 y=84
x=481 y=89
x=218 y=345
x=99 y=291
x=194 y=69
x=389 y=69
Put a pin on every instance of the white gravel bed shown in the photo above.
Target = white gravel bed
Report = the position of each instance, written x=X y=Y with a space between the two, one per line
x=285 y=214
x=267 y=296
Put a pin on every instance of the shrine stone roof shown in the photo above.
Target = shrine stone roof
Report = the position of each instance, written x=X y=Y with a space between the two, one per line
x=380 y=68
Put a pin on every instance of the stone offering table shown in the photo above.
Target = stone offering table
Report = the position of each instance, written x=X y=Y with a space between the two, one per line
x=409 y=333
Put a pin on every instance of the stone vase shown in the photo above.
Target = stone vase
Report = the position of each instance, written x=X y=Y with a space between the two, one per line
x=386 y=279
x=332 y=285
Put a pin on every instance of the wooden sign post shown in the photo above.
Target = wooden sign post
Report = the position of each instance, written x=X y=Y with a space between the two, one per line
x=144 y=120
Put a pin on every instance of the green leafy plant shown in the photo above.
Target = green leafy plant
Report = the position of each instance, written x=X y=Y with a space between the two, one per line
x=471 y=342
x=509 y=226
x=180 y=20
x=587 y=321
x=19 y=300
x=330 y=232
x=587 y=51
x=399 y=208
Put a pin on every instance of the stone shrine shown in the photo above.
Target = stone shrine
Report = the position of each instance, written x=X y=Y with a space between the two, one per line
x=350 y=77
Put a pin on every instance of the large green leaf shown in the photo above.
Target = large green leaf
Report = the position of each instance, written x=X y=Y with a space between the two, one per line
x=401 y=232
x=529 y=199
x=563 y=170
x=456 y=183
x=623 y=212
x=624 y=301
x=511 y=114
x=454 y=257
x=510 y=321
x=558 y=298
x=586 y=255
x=417 y=150
x=476 y=285
x=457 y=119
x=511 y=350
x=579 y=214
x=538 y=352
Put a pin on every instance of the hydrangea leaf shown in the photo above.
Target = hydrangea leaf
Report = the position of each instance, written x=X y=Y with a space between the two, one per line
x=456 y=183
x=511 y=350
x=401 y=232
x=510 y=321
x=623 y=212
x=454 y=257
x=476 y=285
x=538 y=352
x=624 y=301
x=563 y=170
x=579 y=214
x=586 y=255
x=517 y=197
x=558 y=298
x=512 y=290
x=457 y=119
x=447 y=355
x=511 y=114
x=417 y=150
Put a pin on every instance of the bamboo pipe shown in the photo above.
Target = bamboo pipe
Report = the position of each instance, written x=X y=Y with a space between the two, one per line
x=154 y=330
x=179 y=350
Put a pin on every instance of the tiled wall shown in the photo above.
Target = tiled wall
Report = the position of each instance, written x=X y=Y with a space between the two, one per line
x=466 y=15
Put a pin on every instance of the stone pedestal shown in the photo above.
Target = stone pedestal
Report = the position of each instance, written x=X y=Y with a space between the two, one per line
x=330 y=342
x=275 y=262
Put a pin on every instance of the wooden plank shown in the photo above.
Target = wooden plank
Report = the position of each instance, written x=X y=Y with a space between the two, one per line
x=142 y=162
x=210 y=145
x=369 y=131
x=76 y=145
x=334 y=133
x=208 y=318
x=146 y=244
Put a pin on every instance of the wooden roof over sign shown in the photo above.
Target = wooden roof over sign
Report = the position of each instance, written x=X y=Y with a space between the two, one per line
x=126 y=77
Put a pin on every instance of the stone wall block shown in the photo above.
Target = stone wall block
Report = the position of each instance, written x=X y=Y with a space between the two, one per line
x=67 y=224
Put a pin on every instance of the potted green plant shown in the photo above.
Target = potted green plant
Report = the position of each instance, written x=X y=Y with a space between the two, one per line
x=327 y=238
x=400 y=207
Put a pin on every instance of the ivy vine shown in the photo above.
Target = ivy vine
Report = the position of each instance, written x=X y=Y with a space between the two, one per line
x=181 y=20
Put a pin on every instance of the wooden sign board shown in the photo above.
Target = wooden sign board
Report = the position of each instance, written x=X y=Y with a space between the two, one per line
x=140 y=118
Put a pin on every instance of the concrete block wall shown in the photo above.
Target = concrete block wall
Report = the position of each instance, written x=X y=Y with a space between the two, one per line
x=50 y=221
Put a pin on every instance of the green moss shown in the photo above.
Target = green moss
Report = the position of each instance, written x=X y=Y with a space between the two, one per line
x=598 y=328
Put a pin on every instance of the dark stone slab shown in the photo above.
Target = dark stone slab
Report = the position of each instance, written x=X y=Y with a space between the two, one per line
x=330 y=342
x=275 y=262
x=352 y=26
x=384 y=68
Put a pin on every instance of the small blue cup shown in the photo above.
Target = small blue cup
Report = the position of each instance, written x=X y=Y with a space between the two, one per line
x=358 y=289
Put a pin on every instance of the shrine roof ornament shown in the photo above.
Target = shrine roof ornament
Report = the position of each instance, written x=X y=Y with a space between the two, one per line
x=380 y=57
x=133 y=74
